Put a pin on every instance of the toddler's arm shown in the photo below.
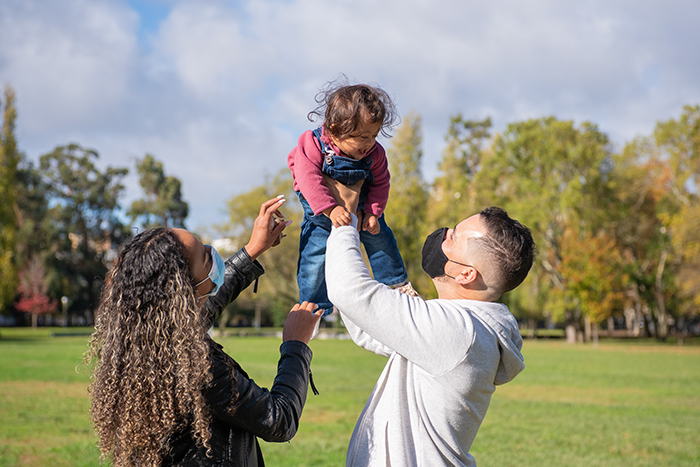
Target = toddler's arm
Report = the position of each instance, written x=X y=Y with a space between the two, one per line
x=379 y=189
x=305 y=161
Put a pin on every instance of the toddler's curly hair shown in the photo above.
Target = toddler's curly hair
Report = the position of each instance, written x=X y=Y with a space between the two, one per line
x=344 y=106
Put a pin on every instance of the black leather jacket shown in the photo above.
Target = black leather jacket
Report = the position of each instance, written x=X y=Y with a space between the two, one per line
x=240 y=410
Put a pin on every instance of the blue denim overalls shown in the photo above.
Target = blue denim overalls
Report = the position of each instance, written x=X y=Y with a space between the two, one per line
x=382 y=252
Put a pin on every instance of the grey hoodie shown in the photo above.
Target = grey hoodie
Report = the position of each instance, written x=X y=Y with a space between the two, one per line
x=445 y=359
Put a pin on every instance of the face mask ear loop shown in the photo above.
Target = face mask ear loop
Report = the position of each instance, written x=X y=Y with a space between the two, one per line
x=220 y=270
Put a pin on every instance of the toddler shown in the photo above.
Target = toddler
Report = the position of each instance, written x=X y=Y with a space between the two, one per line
x=341 y=159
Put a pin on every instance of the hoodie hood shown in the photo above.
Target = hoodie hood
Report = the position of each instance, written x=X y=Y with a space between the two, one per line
x=510 y=342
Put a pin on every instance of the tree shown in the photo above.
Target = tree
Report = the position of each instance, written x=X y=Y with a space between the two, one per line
x=33 y=291
x=594 y=266
x=163 y=204
x=551 y=176
x=36 y=237
x=408 y=199
x=679 y=141
x=454 y=195
x=277 y=290
x=82 y=219
x=657 y=178
x=9 y=158
x=31 y=208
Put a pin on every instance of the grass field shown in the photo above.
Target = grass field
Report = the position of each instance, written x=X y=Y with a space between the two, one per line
x=619 y=404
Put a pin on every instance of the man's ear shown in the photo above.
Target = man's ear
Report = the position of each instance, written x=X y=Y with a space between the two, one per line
x=468 y=275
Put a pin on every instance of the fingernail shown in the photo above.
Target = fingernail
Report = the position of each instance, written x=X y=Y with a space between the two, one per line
x=288 y=223
x=280 y=196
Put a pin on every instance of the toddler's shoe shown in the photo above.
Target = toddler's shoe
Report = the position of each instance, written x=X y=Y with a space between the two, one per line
x=407 y=288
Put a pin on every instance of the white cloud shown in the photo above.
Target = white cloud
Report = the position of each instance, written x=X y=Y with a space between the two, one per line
x=69 y=62
x=221 y=90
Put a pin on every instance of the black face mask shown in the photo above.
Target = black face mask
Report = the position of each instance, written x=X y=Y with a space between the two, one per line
x=434 y=259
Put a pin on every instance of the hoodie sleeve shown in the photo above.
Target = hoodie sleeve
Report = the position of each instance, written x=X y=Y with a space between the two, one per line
x=364 y=340
x=434 y=334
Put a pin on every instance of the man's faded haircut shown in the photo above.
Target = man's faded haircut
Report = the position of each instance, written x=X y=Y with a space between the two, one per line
x=509 y=245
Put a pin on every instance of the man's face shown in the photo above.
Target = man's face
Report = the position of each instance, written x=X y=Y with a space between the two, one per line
x=455 y=244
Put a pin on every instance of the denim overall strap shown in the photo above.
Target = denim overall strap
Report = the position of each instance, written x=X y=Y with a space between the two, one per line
x=346 y=170
x=325 y=149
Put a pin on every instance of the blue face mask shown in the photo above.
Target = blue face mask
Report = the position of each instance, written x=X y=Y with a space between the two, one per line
x=217 y=273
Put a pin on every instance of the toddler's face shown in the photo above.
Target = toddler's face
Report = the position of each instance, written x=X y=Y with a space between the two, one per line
x=360 y=142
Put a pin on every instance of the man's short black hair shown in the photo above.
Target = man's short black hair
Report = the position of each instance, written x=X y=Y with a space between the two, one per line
x=510 y=245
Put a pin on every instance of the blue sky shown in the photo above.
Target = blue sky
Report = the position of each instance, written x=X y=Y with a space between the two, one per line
x=151 y=14
x=219 y=90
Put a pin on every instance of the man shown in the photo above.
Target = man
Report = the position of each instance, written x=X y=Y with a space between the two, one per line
x=445 y=355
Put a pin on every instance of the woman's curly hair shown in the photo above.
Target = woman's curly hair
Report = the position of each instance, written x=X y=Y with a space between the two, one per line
x=150 y=353
x=345 y=106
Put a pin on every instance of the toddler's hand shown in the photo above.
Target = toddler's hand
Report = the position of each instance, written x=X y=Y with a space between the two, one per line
x=340 y=216
x=370 y=224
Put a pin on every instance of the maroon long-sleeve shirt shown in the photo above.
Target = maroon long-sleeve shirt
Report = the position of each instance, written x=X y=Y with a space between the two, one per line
x=306 y=161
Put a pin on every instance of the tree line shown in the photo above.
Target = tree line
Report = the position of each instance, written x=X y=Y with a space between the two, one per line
x=61 y=223
x=618 y=231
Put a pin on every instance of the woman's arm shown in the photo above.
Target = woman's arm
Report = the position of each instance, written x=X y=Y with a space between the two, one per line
x=272 y=415
x=243 y=268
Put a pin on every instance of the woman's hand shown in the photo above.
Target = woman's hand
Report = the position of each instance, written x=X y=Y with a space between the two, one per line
x=267 y=229
x=301 y=322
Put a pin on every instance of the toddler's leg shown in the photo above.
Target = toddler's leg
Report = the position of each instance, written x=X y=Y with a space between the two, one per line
x=384 y=257
x=311 y=266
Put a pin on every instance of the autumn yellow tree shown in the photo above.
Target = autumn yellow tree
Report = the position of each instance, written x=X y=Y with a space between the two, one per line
x=656 y=178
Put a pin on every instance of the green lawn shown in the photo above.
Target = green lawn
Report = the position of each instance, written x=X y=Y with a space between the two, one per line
x=618 y=404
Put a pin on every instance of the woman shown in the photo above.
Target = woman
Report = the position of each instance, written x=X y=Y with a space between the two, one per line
x=163 y=392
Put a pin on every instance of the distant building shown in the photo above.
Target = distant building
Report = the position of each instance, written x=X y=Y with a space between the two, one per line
x=224 y=246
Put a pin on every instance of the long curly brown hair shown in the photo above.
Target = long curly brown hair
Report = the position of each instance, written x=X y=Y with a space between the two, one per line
x=149 y=352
